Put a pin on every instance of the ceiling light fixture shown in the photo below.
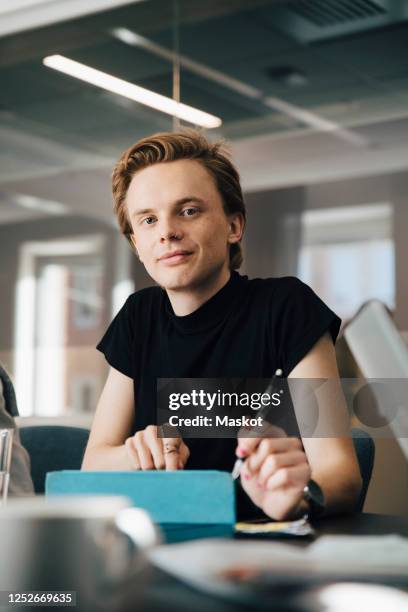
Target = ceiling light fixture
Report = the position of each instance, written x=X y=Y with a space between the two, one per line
x=133 y=92
x=40 y=204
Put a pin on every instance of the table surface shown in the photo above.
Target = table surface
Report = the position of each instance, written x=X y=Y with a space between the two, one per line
x=165 y=593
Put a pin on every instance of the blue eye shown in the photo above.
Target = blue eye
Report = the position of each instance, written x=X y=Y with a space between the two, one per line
x=189 y=212
x=148 y=220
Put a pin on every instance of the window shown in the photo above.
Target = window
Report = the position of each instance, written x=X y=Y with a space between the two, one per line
x=59 y=319
x=347 y=256
x=85 y=293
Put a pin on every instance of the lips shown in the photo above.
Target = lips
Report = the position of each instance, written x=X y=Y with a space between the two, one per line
x=172 y=254
x=174 y=258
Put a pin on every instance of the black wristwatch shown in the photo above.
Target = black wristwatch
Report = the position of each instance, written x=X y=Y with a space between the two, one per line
x=314 y=496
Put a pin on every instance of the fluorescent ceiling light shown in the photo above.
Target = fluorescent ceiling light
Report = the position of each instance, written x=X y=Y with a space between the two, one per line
x=129 y=90
x=39 y=204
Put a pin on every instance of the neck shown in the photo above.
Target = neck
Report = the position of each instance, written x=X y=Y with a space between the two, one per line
x=186 y=301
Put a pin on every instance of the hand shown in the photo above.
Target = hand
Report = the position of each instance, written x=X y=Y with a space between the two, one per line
x=274 y=473
x=146 y=450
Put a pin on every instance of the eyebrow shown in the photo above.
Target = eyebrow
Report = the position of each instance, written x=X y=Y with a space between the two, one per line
x=176 y=204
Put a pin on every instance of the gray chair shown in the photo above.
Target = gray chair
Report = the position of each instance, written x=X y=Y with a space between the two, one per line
x=52 y=448
x=365 y=451
x=20 y=479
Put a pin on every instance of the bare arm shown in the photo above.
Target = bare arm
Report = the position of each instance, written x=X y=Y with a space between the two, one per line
x=277 y=468
x=112 y=446
x=111 y=426
x=332 y=460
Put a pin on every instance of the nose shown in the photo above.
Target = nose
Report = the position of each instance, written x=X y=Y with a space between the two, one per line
x=170 y=230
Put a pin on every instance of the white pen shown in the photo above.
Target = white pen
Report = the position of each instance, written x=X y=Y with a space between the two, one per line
x=236 y=470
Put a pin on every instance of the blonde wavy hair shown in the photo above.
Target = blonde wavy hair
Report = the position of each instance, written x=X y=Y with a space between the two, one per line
x=173 y=146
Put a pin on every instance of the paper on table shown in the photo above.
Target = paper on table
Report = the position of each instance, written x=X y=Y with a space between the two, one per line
x=202 y=563
x=385 y=552
x=299 y=528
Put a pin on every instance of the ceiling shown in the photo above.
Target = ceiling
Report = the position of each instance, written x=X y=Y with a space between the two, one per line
x=273 y=71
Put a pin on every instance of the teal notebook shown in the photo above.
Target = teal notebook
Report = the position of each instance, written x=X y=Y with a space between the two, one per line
x=186 y=504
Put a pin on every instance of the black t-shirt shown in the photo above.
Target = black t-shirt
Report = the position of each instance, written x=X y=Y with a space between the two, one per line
x=248 y=329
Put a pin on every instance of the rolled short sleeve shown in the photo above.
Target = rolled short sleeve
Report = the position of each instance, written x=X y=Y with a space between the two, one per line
x=299 y=319
x=118 y=342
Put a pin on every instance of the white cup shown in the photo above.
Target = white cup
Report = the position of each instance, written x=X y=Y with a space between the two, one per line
x=95 y=546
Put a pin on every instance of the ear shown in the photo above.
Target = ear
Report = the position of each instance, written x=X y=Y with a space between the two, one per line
x=237 y=224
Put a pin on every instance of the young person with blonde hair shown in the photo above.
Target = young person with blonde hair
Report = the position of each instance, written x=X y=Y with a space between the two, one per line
x=179 y=203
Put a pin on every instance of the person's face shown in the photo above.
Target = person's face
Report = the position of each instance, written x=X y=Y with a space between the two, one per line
x=180 y=230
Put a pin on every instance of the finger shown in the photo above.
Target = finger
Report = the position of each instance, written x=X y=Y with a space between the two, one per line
x=277 y=461
x=172 y=442
x=269 y=446
x=155 y=445
x=289 y=477
x=171 y=450
x=247 y=443
x=184 y=454
x=131 y=454
x=145 y=456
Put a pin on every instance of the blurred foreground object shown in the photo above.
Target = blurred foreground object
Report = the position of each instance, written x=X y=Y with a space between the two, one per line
x=20 y=480
x=93 y=547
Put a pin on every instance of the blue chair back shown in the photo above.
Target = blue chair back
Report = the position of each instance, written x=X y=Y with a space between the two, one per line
x=365 y=451
x=55 y=447
x=52 y=448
